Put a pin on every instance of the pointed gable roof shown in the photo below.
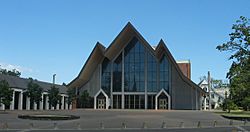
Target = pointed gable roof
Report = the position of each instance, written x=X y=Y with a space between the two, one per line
x=123 y=38
x=162 y=49
x=203 y=82
x=89 y=67
x=116 y=46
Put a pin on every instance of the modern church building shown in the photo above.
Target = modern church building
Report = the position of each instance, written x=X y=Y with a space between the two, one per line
x=131 y=74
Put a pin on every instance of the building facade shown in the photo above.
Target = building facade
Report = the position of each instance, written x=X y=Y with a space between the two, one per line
x=20 y=101
x=130 y=74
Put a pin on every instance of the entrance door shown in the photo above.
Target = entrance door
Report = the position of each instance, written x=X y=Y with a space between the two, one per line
x=162 y=103
x=101 y=103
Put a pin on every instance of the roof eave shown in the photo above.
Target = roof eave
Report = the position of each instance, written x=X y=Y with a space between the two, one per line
x=190 y=82
x=98 y=51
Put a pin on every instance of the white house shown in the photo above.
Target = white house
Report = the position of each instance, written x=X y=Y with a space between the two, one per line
x=217 y=95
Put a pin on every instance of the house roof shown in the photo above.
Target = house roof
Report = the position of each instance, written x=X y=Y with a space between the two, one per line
x=21 y=83
x=217 y=93
x=203 y=82
x=116 y=46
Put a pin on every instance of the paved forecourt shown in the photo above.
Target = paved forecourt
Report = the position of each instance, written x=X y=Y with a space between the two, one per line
x=119 y=119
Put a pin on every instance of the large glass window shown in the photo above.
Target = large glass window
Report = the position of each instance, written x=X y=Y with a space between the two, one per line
x=117 y=74
x=134 y=102
x=134 y=67
x=151 y=73
x=117 y=101
x=151 y=101
x=106 y=75
x=164 y=73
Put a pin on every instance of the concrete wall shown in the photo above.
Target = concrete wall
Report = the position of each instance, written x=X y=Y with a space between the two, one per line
x=183 y=95
x=93 y=85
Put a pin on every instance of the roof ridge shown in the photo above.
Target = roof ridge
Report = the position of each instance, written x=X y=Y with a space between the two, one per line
x=27 y=79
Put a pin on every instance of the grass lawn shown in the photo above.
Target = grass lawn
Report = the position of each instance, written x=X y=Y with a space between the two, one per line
x=235 y=113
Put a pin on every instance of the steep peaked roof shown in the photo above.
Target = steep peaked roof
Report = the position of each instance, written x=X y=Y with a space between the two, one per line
x=162 y=49
x=116 y=46
x=123 y=38
x=99 y=51
x=92 y=62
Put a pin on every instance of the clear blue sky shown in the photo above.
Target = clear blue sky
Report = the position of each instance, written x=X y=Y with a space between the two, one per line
x=43 y=37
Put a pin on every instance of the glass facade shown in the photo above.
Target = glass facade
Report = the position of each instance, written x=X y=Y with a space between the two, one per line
x=134 y=101
x=117 y=101
x=117 y=74
x=151 y=73
x=134 y=71
x=137 y=67
x=164 y=74
x=151 y=101
x=106 y=76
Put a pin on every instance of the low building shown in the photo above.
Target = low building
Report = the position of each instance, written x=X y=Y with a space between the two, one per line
x=20 y=101
x=131 y=74
x=222 y=91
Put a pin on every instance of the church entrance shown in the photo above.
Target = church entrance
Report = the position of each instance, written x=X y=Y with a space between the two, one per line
x=101 y=104
x=163 y=103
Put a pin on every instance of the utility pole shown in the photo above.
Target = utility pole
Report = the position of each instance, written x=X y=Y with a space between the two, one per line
x=209 y=88
x=54 y=79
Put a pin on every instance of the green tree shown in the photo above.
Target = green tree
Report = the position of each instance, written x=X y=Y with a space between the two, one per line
x=216 y=83
x=54 y=97
x=12 y=72
x=246 y=103
x=84 y=99
x=239 y=72
x=71 y=95
x=34 y=92
x=6 y=93
x=229 y=105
